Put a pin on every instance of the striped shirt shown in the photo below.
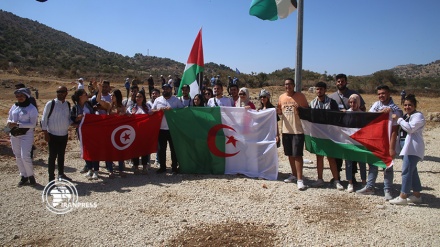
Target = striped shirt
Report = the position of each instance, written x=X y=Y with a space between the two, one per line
x=59 y=121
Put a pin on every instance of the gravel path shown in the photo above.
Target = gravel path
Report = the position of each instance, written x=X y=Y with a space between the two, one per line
x=208 y=210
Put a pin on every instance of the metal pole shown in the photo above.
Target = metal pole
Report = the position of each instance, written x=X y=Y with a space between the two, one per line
x=299 y=46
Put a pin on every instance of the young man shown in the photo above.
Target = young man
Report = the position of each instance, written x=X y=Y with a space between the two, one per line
x=293 y=134
x=150 y=84
x=164 y=103
x=341 y=97
x=385 y=104
x=134 y=90
x=55 y=125
x=322 y=101
x=219 y=99
x=185 y=98
x=233 y=91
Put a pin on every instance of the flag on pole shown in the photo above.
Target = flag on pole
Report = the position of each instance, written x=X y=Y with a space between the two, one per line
x=272 y=9
x=237 y=71
x=193 y=67
x=114 y=137
x=225 y=140
x=356 y=136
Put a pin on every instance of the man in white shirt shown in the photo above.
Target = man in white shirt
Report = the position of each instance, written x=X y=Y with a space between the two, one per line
x=185 y=98
x=219 y=99
x=55 y=125
x=164 y=103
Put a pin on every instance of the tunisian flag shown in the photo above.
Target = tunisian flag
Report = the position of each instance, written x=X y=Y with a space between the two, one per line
x=114 y=137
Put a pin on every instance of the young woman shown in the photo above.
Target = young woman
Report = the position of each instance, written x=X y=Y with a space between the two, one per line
x=114 y=108
x=82 y=107
x=22 y=120
x=266 y=104
x=198 y=101
x=140 y=107
x=244 y=99
x=355 y=102
x=208 y=94
x=413 y=150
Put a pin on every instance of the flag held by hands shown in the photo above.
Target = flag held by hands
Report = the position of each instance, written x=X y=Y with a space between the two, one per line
x=272 y=9
x=114 y=137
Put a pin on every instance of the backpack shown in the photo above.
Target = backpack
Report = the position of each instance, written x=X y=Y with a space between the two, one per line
x=52 y=105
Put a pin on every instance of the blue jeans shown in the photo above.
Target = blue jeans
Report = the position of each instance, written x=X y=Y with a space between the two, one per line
x=349 y=169
x=92 y=165
x=388 y=176
x=410 y=176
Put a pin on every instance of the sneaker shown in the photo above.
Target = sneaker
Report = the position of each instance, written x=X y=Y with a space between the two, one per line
x=338 y=185
x=290 y=179
x=414 y=199
x=64 y=177
x=89 y=174
x=95 y=175
x=318 y=183
x=365 y=191
x=388 y=196
x=350 y=188
x=84 y=170
x=300 y=185
x=399 y=201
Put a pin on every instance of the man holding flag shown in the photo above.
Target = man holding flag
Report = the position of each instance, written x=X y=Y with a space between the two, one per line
x=385 y=104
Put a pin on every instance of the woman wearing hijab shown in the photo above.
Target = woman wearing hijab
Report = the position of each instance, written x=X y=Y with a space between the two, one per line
x=22 y=120
x=244 y=100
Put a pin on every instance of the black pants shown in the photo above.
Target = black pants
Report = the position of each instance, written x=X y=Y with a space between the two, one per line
x=57 y=149
x=164 y=137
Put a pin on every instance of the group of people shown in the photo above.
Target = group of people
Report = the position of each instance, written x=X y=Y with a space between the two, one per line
x=58 y=115
x=407 y=132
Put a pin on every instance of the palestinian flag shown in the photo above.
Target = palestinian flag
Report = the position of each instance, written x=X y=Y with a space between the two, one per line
x=357 y=136
x=272 y=9
x=193 y=67
x=225 y=140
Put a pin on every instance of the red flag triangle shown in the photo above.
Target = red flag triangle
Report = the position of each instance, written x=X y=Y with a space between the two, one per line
x=375 y=137
x=196 y=55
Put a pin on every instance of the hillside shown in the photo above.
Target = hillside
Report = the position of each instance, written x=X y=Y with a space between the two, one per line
x=413 y=71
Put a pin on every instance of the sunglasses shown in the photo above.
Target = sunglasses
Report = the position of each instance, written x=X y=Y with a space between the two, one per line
x=241 y=94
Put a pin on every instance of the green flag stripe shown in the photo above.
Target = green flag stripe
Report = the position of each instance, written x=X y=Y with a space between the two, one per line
x=342 y=151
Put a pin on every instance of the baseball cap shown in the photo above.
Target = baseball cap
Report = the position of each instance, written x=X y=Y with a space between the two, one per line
x=166 y=85
x=24 y=91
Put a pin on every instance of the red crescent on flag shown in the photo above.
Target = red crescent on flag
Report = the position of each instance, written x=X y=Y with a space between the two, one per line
x=211 y=140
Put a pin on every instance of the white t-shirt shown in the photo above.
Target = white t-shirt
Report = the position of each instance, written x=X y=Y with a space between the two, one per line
x=223 y=101
x=161 y=102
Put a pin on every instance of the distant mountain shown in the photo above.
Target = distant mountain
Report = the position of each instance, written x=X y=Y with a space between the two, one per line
x=413 y=71
x=28 y=47
x=32 y=47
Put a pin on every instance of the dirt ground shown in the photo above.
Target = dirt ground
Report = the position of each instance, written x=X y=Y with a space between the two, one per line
x=249 y=212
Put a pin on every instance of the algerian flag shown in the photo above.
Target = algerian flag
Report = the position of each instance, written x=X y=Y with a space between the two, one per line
x=193 y=67
x=272 y=9
x=225 y=140
x=356 y=136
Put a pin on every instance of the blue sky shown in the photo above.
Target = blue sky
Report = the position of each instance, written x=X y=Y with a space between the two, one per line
x=356 y=37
